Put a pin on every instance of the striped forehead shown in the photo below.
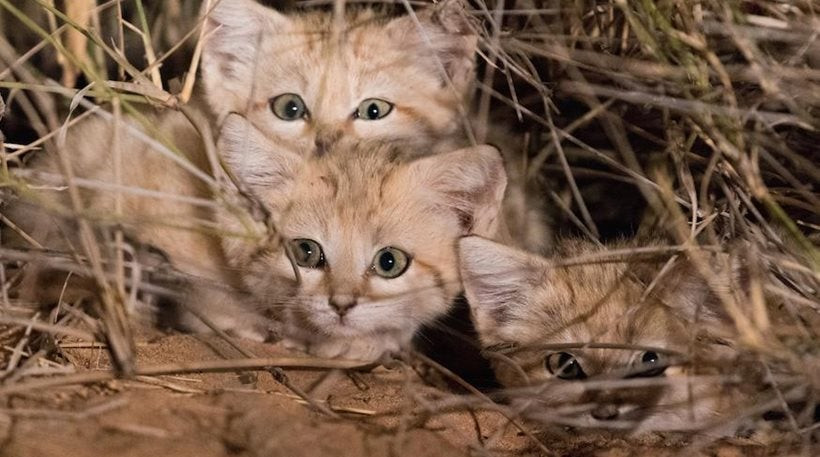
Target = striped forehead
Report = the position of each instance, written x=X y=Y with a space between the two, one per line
x=344 y=191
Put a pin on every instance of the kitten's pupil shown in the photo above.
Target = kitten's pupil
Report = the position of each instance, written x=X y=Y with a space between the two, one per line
x=387 y=261
x=653 y=365
x=568 y=365
x=372 y=111
x=292 y=110
x=306 y=249
x=649 y=357
x=390 y=262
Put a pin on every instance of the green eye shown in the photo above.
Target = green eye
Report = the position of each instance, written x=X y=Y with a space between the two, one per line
x=390 y=262
x=565 y=366
x=307 y=253
x=372 y=109
x=288 y=107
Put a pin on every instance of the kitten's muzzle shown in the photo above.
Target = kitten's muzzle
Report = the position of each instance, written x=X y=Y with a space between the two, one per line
x=342 y=304
x=605 y=412
x=626 y=403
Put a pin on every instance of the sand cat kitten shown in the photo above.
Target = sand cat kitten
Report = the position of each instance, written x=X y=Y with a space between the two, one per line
x=386 y=78
x=373 y=233
x=546 y=323
x=382 y=79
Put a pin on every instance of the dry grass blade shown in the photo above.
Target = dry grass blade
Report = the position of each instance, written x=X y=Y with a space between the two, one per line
x=75 y=42
x=690 y=126
x=215 y=366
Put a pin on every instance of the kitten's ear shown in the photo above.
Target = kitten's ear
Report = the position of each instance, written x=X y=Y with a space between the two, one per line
x=498 y=282
x=449 y=32
x=470 y=182
x=234 y=32
x=252 y=157
x=686 y=291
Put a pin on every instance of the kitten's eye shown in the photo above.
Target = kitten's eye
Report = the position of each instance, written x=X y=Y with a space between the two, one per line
x=288 y=107
x=652 y=364
x=565 y=366
x=372 y=109
x=307 y=253
x=390 y=262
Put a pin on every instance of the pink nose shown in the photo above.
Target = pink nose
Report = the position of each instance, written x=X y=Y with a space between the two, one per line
x=342 y=304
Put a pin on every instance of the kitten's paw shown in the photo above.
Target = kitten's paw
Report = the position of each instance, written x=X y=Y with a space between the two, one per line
x=294 y=345
x=329 y=349
x=253 y=333
x=233 y=320
x=371 y=349
x=365 y=349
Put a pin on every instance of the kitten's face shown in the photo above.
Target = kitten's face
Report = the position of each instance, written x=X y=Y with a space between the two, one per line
x=374 y=237
x=381 y=80
x=547 y=326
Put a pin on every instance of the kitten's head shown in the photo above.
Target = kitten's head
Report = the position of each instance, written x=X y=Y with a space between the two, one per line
x=401 y=78
x=546 y=324
x=373 y=233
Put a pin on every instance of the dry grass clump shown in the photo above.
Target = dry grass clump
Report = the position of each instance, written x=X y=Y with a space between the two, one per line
x=696 y=119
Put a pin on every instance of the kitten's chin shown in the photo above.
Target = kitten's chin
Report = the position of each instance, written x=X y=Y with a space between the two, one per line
x=334 y=326
x=345 y=331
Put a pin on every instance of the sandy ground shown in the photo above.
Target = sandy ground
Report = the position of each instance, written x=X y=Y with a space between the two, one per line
x=379 y=413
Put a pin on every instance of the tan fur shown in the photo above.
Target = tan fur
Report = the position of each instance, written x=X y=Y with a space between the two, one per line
x=165 y=222
x=360 y=198
x=354 y=202
x=254 y=53
x=521 y=302
x=426 y=70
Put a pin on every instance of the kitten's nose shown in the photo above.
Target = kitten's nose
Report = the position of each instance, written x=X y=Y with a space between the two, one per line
x=342 y=303
x=325 y=138
x=605 y=412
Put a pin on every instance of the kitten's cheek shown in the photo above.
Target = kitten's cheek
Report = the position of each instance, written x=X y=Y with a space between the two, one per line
x=389 y=128
x=311 y=284
x=418 y=298
x=296 y=136
x=284 y=269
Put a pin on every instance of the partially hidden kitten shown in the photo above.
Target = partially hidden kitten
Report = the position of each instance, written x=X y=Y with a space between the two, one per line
x=373 y=233
x=564 y=326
